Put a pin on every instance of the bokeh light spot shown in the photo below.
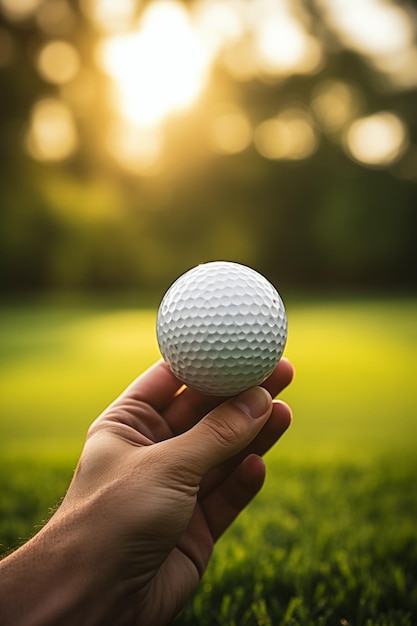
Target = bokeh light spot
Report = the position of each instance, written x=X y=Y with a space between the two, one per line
x=370 y=26
x=52 y=135
x=377 y=140
x=290 y=135
x=55 y=17
x=335 y=103
x=58 y=62
x=240 y=60
x=283 y=46
x=110 y=15
x=18 y=10
x=219 y=24
x=231 y=132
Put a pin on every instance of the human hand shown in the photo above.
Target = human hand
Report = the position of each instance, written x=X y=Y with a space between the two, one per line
x=164 y=471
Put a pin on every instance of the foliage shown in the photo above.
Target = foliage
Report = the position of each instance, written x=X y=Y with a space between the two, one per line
x=324 y=544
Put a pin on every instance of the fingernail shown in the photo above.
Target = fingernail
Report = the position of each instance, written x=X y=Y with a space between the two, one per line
x=254 y=402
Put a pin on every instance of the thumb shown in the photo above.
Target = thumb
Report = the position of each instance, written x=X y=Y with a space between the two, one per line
x=225 y=431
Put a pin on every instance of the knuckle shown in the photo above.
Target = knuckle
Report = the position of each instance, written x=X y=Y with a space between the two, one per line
x=225 y=429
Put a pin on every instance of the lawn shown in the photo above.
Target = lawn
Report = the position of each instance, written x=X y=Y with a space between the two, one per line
x=332 y=539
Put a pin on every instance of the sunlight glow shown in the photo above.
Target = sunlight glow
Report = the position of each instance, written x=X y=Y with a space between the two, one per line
x=52 y=135
x=377 y=140
x=159 y=56
x=158 y=70
x=290 y=136
x=161 y=67
x=137 y=151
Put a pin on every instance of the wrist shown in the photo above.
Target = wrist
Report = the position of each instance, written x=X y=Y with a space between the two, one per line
x=62 y=574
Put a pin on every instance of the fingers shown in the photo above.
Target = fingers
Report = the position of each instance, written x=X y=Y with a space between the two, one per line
x=224 y=504
x=222 y=433
x=278 y=423
x=190 y=406
x=175 y=408
x=229 y=487
x=280 y=378
x=156 y=386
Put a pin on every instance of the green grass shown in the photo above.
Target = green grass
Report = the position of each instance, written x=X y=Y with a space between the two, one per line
x=332 y=538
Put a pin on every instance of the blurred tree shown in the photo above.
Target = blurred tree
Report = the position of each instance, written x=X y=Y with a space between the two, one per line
x=282 y=137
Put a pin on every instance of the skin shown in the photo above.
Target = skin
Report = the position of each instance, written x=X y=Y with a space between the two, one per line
x=163 y=473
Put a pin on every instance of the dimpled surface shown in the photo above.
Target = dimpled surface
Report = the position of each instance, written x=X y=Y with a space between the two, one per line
x=221 y=328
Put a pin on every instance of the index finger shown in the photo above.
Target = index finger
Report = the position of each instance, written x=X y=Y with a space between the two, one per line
x=157 y=386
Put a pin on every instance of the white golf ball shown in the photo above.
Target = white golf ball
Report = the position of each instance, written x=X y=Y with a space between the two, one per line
x=221 y=328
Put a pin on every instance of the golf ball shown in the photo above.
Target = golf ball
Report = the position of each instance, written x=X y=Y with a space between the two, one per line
x=221 y=328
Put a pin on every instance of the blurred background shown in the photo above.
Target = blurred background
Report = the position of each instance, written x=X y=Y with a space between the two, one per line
x=141 y=138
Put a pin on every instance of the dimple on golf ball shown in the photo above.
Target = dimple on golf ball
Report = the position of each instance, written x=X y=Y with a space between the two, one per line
x=221 y=328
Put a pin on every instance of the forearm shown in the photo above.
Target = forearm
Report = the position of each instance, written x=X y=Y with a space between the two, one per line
x=57 y=578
